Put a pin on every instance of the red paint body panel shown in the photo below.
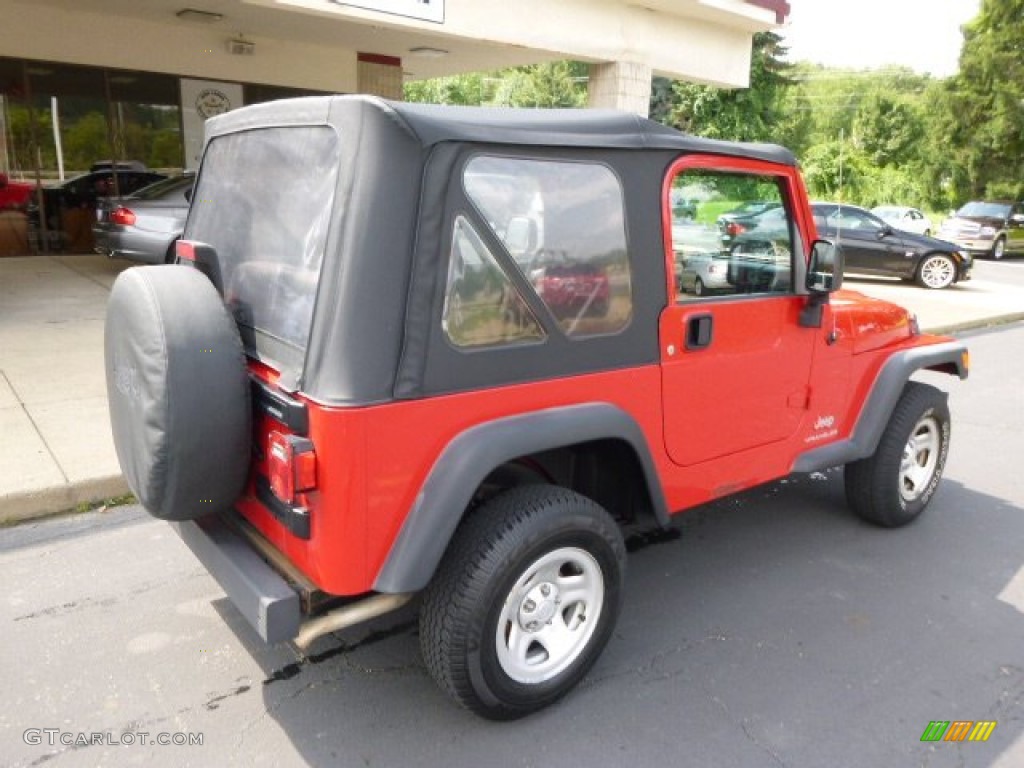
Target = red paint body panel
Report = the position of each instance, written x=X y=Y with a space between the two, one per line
x=717 y=420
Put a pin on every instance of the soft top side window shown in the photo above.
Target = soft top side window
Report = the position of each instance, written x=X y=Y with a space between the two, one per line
x=732 y=233
x=563 y=224
x=482 y=306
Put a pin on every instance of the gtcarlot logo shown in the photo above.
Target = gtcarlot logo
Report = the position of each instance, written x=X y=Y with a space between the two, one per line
x=53 y=737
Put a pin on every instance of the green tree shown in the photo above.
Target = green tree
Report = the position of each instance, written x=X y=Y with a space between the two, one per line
x=551 y=84
x=988 y=119
x=835 y=170
x=742 y=114
x=471 y=89
x=888 y=128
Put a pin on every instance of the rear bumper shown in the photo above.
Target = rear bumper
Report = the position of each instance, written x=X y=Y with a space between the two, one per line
x=270 y=605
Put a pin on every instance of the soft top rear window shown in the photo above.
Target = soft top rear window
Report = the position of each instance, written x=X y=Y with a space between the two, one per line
x=263 y=201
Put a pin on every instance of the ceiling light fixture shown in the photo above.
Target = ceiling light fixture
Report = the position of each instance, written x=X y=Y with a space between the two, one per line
x=426 y=52
x=193 y=14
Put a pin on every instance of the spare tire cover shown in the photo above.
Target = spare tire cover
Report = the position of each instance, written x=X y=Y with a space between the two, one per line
x=178 y=391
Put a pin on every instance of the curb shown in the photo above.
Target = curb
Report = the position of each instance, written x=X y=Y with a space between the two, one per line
x=61 y=499
x=974 y=325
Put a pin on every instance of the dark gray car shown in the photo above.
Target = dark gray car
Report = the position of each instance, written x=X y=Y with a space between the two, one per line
x=145 y=226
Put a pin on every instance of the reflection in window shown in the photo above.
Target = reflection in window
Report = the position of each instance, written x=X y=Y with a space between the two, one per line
x=564 y=226
x=731 y=234
x=482 y=307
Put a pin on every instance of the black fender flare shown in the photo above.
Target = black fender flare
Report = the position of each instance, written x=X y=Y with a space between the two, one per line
x=947 y=357
x=473 y=454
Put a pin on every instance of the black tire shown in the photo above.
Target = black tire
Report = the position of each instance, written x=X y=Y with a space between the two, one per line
x=936 y=271
x=698 y=287
x=178 y=392
x=879 y=488
x=998 y=248
x=507 y=565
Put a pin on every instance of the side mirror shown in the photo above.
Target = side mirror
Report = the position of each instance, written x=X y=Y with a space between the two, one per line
x=825 y=270
x=1017 y=218
x=884 y=232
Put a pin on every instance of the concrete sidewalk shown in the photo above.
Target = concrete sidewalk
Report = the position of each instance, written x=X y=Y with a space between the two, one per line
x=56 y=451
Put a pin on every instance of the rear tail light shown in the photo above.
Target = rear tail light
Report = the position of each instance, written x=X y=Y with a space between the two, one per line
x=735 y=229
x=185 y=250
x=291 y=466
x=123 y=216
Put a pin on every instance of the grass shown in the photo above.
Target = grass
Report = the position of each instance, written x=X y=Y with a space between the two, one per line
x=105 y=504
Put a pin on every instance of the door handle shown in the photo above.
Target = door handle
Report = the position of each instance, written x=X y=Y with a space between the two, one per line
x=699 y=330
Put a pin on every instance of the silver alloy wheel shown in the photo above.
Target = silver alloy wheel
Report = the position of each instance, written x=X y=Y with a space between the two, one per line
x=998 y=249
x=920 y=458
x=550 y=615
x=937 y=271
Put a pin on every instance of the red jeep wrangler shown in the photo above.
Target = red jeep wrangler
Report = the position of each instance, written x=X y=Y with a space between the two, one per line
x=442 y=352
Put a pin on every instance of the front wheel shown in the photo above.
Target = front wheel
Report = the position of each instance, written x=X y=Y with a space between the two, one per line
x=698 y=287
x=936 y=271
x=998 y=248
x=524 y=601
x=892 y=487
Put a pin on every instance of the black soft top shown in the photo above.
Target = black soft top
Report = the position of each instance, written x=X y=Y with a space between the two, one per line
x=376 y=333
x=432 y=124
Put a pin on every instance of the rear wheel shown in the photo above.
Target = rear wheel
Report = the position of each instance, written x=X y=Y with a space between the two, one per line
x=892 y=487
x=524 y=601
x=698 y=287
x=936 y=271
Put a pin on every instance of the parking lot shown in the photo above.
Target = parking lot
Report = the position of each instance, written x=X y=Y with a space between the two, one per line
x=772 y=629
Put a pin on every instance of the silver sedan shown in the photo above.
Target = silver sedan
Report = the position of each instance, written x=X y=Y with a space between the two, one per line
x=145 y=226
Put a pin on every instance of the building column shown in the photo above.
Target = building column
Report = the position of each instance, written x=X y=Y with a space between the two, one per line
x=622 y=85
x=379 y=76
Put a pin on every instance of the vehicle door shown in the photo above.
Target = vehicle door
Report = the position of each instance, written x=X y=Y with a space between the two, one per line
x=869 y=245
x=735 y=362
x=1015 y=229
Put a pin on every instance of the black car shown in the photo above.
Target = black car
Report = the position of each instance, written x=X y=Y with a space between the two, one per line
x=744 y=217
x=872 y=247
x=84 y=191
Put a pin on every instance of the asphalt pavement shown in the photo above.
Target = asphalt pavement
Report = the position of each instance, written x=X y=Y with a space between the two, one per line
x=775 y=629
x=55 y=443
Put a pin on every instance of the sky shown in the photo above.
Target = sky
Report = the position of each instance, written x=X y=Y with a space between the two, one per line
x=865 y=34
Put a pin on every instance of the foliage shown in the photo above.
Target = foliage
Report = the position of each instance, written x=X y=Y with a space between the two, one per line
x=151 y=135
x=551 y=84
x=897 y=136
x=887 y=128
x=987 y=124
x=744 y=114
